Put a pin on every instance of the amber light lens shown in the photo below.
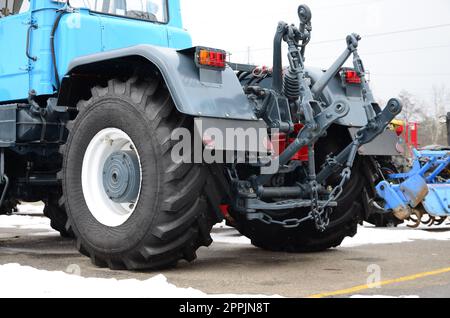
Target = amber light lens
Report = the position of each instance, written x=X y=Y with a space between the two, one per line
x=212 y=58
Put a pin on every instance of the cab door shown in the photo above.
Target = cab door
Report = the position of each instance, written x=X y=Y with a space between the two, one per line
x=15 y=23
x=131 y=22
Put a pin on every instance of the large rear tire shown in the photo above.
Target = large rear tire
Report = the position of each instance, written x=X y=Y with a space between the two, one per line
x=306 y=238
x=168 y=220
x=58 y=217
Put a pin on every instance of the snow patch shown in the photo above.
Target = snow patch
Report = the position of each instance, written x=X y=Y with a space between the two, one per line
x=31 y=208
x=368 y=235
x=222 y=233
x=24 y=222
x=25 y=281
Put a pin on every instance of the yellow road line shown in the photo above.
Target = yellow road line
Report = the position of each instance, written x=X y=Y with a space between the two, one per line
x=382 y=283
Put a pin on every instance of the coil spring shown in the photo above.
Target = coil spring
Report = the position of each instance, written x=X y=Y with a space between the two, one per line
x=291 y=86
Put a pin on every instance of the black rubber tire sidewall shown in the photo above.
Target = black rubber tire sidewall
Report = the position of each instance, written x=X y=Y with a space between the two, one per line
x=113 y=113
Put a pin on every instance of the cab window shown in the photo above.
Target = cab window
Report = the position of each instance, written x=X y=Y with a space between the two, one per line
x=11 y=7
x=151 y=10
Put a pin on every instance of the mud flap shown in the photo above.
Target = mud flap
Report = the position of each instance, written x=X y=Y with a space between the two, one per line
x=230 y=135
x=386 y=144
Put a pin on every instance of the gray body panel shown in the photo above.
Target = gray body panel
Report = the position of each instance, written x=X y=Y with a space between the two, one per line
x=334 y=92
x=228 y=129
x=386 y=144
x=191 y=96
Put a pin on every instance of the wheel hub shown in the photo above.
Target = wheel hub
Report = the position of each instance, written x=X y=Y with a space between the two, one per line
x=121 y=176
x=111 y=177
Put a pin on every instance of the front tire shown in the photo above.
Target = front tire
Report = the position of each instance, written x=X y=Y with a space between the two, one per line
x=168 y=220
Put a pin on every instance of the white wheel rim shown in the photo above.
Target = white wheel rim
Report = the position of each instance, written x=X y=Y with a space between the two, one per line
x=103 y=145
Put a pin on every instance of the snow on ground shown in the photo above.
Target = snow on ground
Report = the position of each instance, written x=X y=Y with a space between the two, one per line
x=40 y=283
x=30 y=208
x=367 y=235
x=24 y=222
x=14 y=277
x=225 y=234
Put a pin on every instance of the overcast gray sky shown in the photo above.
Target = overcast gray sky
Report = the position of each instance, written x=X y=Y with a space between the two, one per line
x=413 y=60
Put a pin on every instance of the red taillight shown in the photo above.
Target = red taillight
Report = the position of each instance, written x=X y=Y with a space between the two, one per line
x=211 y=58
x=351 y=77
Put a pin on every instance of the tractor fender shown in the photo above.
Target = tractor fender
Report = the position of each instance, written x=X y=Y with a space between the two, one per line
x=195 y=91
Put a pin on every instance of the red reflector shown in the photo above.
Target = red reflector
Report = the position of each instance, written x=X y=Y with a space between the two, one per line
x=351 y=77
x=399 y=130
x=211 y=58
x=224 y=208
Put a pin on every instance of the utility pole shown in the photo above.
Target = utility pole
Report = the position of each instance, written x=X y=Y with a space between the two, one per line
x=248 y=54
x=448 y=128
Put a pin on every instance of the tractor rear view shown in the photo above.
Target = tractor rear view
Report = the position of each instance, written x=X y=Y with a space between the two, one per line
x=138 y=143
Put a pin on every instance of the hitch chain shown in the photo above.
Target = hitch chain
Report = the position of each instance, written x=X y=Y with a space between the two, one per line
x=319 y=214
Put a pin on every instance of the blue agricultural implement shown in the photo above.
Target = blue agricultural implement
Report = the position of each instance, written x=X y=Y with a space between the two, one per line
x=425 y=189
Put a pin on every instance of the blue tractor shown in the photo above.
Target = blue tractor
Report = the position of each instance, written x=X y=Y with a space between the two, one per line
x=96 y=98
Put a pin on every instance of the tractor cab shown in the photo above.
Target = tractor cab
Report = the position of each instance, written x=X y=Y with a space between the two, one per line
x=42 y=37
x=149 y=10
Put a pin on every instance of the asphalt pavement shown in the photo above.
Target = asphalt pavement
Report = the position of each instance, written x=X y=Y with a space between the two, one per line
x=408 y=269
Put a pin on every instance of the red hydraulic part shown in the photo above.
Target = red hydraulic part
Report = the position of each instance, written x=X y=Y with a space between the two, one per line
x=283 y=142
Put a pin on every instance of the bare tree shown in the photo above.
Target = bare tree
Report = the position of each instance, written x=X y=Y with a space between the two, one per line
x=440 y=100
x=413 y=110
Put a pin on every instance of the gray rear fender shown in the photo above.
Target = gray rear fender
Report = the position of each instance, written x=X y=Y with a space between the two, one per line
x=196 y=92
x=334 y=92
x=387 y=144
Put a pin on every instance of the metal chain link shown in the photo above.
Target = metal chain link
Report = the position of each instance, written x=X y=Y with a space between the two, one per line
x=320 y=214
